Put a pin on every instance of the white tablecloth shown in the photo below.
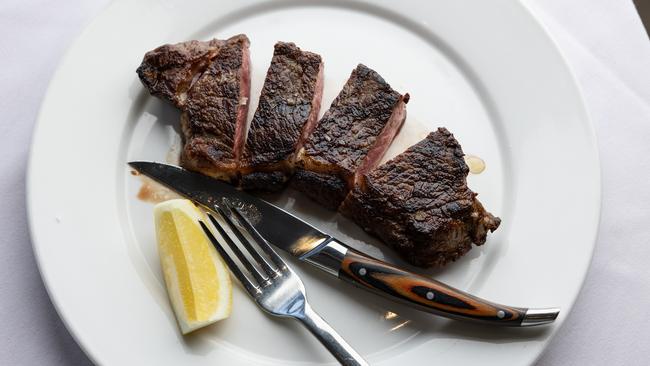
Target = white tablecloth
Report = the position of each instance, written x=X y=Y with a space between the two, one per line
x=603 y=41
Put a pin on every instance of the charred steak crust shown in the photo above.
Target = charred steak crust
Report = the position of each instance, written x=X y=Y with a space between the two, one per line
x=420 y=205
x=358 y=114
x=326 y=189
x=289 y=97
x=346 y=134
x=168 y=71
x=263 y=181
x=212 y=118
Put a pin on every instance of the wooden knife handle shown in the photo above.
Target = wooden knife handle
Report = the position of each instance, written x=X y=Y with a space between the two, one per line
x=418 y=291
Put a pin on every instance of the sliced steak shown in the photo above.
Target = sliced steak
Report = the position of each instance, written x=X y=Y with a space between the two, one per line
x=286 y=114
x=351 y=138
x=168 y=71
x=214 y=116
x=420 y=205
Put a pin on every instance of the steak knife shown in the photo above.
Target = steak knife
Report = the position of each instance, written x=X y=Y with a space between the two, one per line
x=311 y=245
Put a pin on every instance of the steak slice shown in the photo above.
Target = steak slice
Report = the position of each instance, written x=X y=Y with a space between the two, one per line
x=214 y=117
x=287 y=113
x=169 y=70
x=420 y=205
x=351 y=138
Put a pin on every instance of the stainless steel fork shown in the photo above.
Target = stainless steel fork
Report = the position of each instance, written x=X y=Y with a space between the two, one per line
x=276 y=288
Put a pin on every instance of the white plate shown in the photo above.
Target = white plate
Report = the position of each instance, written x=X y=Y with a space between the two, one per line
x=485 y=70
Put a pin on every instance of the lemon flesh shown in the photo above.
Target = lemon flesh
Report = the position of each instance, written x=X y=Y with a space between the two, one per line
x=197 y=279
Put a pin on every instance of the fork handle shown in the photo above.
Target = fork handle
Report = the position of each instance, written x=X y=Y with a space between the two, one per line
x=334 y=343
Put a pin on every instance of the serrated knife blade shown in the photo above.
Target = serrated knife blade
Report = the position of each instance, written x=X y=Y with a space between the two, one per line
x=277 y=226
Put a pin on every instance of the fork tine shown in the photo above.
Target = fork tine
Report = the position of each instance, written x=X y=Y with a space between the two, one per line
x=263 y=244
x=263 y=262
x=261 y=280
x=250 y=287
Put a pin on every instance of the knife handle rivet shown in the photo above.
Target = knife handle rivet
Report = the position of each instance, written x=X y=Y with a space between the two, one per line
x=501 y=314
x=430 y=295
x=362 y=271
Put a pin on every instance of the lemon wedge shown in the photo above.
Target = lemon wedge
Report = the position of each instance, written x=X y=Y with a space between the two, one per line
x=197 y=279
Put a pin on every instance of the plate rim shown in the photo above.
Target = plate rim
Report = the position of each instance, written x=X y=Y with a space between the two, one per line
x=599 y=172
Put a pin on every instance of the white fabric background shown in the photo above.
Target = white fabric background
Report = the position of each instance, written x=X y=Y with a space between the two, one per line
x=604 y=43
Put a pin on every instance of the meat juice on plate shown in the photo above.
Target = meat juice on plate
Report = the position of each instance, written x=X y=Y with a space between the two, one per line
x=476 y=165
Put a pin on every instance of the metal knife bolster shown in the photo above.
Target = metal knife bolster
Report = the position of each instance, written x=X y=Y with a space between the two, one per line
x=418 y=291
x=328 y=256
